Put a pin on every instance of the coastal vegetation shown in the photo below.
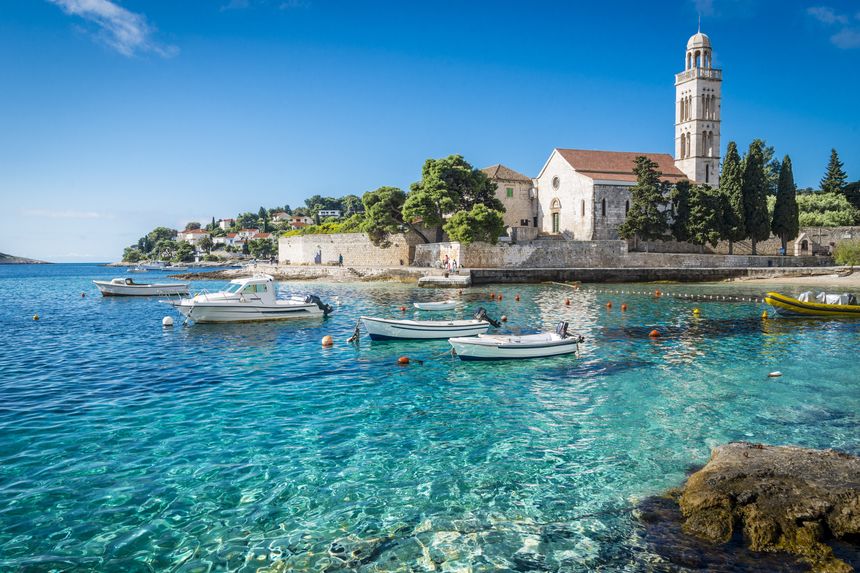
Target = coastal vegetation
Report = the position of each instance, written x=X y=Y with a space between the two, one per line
x=847 y=252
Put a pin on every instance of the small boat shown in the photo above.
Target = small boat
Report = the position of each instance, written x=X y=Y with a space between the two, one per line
x=384 y=329
x=175 y=268
x=442 y=305
x=127 y=287
x=137 y=269
x=249 y=300
x=508 y=346
x=156 y=266
x=822 y=305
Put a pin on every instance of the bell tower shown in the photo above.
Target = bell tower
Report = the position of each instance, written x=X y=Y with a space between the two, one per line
x=697 y=114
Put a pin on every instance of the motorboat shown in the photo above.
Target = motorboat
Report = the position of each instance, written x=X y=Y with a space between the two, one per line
x=128 y=287
x=510 y=346
x=154 y=266
x=824 y=304
x=249 y=300
x=383 y=328
x=175 y=268
x=136 y=269
x=441 y=305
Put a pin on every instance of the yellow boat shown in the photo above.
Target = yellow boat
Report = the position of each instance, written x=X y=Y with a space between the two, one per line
x=789 y=306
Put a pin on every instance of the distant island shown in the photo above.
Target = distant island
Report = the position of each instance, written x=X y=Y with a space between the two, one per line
x=10 y=260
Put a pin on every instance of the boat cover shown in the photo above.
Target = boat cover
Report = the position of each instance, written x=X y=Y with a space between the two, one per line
x=844 y=298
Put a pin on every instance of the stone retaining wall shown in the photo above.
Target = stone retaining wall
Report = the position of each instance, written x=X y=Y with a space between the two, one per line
x=356 y=248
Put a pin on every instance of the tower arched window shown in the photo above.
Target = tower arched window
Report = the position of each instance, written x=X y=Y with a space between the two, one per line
x=698 y=59
x=583 y=208
x=683 y=146
x=707 y=173
x=603 y=207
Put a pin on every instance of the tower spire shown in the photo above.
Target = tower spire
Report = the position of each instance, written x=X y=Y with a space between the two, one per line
x=699 y=31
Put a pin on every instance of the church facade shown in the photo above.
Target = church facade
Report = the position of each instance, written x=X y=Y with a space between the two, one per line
x=583 y=194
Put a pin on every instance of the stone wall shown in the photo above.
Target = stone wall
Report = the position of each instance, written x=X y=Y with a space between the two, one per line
x=819 y=241
x=611 y=203
x=520 y=207
x=356 y=248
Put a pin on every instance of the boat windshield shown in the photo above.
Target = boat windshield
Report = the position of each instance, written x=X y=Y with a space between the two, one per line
x=233 y=288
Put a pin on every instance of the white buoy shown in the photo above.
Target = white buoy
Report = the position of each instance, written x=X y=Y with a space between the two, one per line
x=167 y=321
x=776 y=374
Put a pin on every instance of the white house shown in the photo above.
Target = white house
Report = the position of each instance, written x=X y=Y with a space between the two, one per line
x=245 y=234
x=280 y=216
x=192 y=236
x=324 y=213
x=228 y=240
x=225 y=224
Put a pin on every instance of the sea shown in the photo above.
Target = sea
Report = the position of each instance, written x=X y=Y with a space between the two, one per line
x=129 y=446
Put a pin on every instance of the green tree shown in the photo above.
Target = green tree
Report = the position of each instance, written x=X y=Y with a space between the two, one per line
x=707 y=216
x=771 y=165
x=680 y=196
x=351 y=205
x=131 y=255
x=826 y=210
x=731 y=186
x=834 y=177
x=247 y=221
x=480 y=223
x=192 y=225
x=184 y=253
x=159 y=234
x=165 y=249
x=206 y=244
x=383 y=215
x=647 y=216
x=448 y=185
x=261 y=248
x=754 y=191
x=852 y=193
x=786 y=216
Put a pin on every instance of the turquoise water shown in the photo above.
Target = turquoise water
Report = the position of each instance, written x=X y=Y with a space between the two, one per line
x=128 y=447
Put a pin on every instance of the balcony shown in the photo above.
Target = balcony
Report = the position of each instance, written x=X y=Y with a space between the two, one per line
x=699 y=73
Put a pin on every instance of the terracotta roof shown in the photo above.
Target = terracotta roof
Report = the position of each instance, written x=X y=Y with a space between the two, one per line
x=231 y=235
x=617 y=165
x=231 y=220
x=196 y=231
x=499 y=171
x=249 y=230
x=262 y=235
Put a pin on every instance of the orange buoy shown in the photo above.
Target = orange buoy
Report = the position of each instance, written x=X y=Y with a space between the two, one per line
x=654 y=333
x=403 y=360
x=492 y=295
x=623 y=307
x=657 y=292
x=327 y=340
x=567 y=301
x=402 y=309
x=517 y=298
x=504 y=318
x=500 y=296
x=609 y=304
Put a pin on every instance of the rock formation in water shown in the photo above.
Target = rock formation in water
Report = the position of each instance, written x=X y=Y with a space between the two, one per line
x=781 y=498
x=12 y=260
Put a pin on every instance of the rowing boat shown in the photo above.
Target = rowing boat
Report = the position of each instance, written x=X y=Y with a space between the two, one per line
x=442 y=305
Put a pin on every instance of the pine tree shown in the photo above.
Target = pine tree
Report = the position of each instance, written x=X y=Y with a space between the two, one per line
x=646 y=220
x=786 y=224
x=680 y=196
x=754 y=191
x=731 y=182
x=835 y=177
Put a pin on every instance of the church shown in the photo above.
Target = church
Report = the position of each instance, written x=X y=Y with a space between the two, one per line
x=584 y=195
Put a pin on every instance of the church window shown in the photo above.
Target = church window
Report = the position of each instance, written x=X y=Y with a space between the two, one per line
x=626 y=207
x=583 y=208
x=509 y=192
x=555 y=205
x=555 y=182
x=683 y=146
x=603 y=207
x=707 y=173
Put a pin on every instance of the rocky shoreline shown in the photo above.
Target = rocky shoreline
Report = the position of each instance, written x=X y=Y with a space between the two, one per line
x=775 y=499
x=312 y=273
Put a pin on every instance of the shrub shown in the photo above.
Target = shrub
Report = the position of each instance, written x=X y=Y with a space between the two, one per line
x=847 y=252
x=825 y=210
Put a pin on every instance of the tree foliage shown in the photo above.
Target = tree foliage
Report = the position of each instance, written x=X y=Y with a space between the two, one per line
x=786 y=216
x=680 y=196
x=261 y=248
x=847 y=252
x=206 y=244
x=351 y=205
x=708 y=208
x=826 y=210
x=383 y=214
x=192 y=225
x=183 y=253
x=731 y=186
x=834 y=178
x=754 y=190
x=247 y=221
x=645 y=219
x=480 y=223
x=852 y=193
x=132 y=255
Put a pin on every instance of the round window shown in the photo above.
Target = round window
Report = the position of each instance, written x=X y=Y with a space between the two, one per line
x=555 y=182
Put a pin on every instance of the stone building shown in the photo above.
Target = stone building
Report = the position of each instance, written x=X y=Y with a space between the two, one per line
x=697 y=114
x=585 y=195
x=516 y=192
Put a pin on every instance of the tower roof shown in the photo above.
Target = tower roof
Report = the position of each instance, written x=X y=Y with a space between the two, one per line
x=698 y=40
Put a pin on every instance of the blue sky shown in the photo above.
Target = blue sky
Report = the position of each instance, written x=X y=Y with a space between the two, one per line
x=118 y=116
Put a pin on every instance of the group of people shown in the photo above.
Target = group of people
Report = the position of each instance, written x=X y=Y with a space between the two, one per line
x=449 y=264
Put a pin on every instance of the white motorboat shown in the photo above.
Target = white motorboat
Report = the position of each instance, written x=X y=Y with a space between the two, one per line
x=383 y=328
x=156 y=266
x=137 y=269
x=442 y=305
x=175 y=268
x=502 y=347
x=246 y=300
x=127 y=287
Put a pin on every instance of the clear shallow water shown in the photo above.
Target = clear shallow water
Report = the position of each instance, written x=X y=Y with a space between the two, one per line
x=128 y=447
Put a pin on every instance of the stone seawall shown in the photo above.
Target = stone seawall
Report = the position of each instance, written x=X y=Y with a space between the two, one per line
x=634 y=274
x=356 y=249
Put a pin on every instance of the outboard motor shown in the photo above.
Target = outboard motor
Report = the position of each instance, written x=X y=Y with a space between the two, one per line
x=561 y=330
x=481 y=314
x=326 y=308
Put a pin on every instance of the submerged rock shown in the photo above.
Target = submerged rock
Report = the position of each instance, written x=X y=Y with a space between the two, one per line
x=781 y=498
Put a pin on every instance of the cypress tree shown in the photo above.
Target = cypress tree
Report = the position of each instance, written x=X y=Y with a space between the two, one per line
x=835 y=177
x=707 y=223
x=681 y=210
x=645 y=220
x=731 y=182
x=786 y=224
x=754 y=191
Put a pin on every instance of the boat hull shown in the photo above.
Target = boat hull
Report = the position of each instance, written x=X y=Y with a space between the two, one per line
x=510 y=348
x=112 y=289
x=383 y=329
x=789 y=306
x=213 y=312
x=446 y=305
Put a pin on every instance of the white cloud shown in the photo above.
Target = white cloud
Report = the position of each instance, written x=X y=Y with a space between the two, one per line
x=124 y=31
x=827 y=15
x=848 y=36
x=65 y=214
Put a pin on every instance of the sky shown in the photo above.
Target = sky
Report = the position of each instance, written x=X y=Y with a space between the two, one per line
x=117 y=116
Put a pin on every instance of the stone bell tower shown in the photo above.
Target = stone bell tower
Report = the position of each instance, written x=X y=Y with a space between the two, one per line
x=697 y=114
